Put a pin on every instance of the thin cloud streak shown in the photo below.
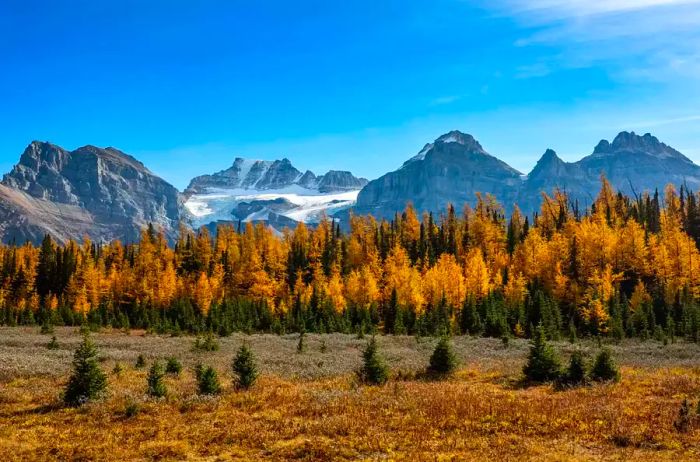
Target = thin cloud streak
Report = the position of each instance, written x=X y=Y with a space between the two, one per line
x=635 y=40
x=662 y=122
x=443 y=100
x=551 y=10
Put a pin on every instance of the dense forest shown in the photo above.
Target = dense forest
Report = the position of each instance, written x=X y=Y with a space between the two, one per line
x=623 y=267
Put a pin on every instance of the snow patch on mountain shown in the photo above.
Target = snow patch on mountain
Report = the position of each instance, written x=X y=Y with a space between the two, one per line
x=245 y=165
x=299 y=204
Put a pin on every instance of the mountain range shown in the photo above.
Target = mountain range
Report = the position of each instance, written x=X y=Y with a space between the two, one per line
x=105 y=194
x=455 y=167
x=271 y=191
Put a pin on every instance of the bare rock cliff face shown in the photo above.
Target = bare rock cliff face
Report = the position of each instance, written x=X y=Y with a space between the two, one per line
x=453 y=170
x=103 y=194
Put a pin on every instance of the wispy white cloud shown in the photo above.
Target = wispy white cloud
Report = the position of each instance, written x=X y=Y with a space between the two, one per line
x=443 y=100
x=640 y=39
x=539 y=69
x=666 y=121
x=564 y=9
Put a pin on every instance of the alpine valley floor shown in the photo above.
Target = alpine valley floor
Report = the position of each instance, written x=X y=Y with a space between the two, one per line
x=308 y=406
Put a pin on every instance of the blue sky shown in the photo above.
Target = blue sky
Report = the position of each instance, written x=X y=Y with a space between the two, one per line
x=362 y=85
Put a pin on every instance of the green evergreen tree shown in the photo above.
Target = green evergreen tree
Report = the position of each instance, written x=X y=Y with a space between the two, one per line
x=156 y=384
x=399 y=325
x=374 y=370
x=208 y=381
x=362 y=328
x=173 y=366
x=245 y=370
x=140 y=362
x=301 y=344
x=47 y=328
x=576 y=372
x=604 y=368
x=198 y=371
x=505 y=340
x=391 y=311
x=87 y=381
x=118 y=369
x=543 y=363
x=670 y=328
x=53 y=344
x=206 y=343
x=470 y=320
x=443 y=361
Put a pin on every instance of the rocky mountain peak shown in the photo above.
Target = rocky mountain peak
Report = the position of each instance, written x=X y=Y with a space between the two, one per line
x=340 y=180
x=549 y=160
x=262 y=175
x=452 y=169
x=41 y=153
x=466 y=140
x=469 y=143
x=603 y=147
x=550 y=155
x=110 y=193
x=549 y=173
x=630 y=142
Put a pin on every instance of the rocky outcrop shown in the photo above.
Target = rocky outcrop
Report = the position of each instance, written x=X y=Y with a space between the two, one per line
x=262 y=175
x=103 y=194
x=632 y=163
x=636 y=163
x=335 y=181
x=248 y=174
x=551 y=173
x=453 y=169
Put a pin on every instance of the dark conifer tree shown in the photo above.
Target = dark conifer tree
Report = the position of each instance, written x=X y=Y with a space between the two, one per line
x=374 y=370
x=156 y=384
x=88 y=381
x=604 y=368
x=207 y=380
x=245 y=370
x=443 y=361
x=543 y=363
x=470 y=320
x=173 y=366
x=576 y=373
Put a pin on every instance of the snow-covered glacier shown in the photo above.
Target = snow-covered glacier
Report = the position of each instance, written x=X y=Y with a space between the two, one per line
x=272 y=191
x=293 y=202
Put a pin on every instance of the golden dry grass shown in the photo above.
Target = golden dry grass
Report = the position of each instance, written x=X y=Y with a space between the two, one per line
x=479 y=415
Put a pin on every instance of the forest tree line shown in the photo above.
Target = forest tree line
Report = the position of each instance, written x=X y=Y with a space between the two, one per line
x=626 y=266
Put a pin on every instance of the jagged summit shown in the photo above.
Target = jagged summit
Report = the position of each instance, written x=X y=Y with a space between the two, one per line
x=469 y=143
x=263 y=175
x=101 y=193
x=550 y=163
x=549 y=156
x=631 y=143
x=340 y=180
x=452 y=169
x=466 y=140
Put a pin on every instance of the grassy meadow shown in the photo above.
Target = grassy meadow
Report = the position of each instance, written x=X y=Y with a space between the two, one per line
x=310 y=406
